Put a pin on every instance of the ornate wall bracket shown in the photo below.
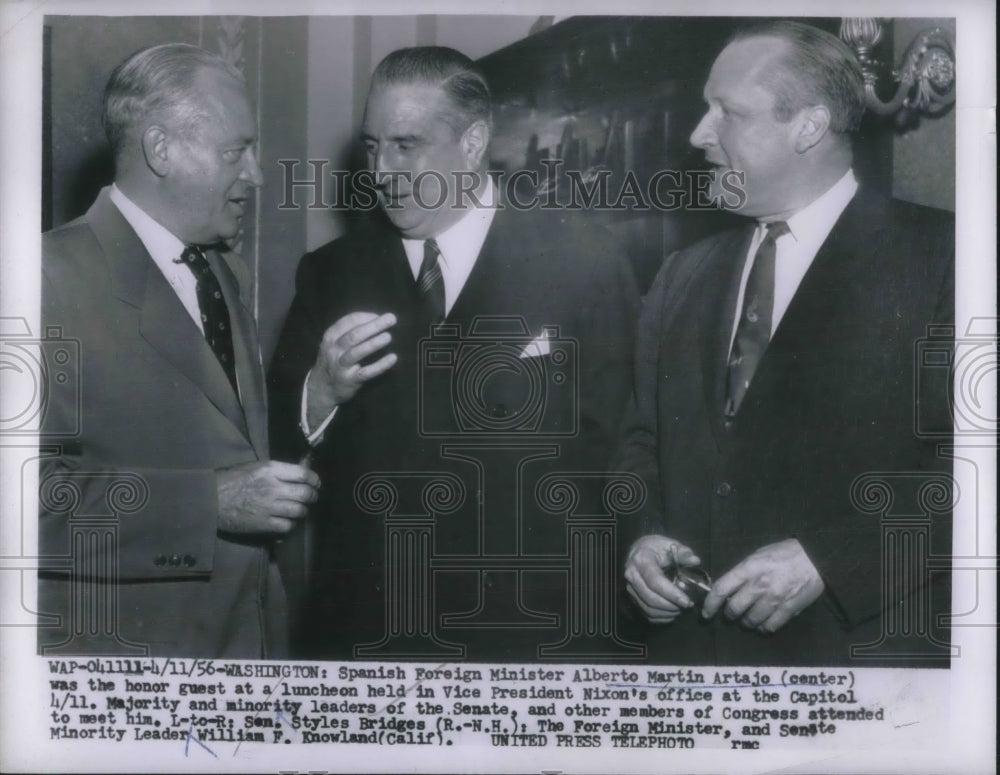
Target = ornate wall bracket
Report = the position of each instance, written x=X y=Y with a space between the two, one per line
x=925 y=77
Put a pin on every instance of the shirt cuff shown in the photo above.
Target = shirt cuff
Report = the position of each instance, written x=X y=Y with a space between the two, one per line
x=316 y=436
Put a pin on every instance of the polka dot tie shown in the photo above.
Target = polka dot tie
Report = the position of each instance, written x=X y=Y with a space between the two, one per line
x=753 y=331
x=431 y=283
x=214 y=313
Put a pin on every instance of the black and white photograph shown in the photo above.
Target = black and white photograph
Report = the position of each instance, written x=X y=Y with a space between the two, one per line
x=508 y=389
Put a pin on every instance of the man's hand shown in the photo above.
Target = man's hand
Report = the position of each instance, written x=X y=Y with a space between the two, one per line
x=659 y=599
x=768 y=588
x=264 y=497
x=338 y=374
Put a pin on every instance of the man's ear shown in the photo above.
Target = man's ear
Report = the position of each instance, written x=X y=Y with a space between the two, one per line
x=475 y=141
x=812 y=126
x=154 y=149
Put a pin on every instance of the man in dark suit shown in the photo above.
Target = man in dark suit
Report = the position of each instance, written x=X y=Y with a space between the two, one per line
x=775 y=372
x=169 y=438
x=527 y=376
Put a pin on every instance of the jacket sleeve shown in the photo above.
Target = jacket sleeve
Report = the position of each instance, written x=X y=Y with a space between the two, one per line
x=637 y=452
x=855 y=553
x=293 y=358
x=606 y=342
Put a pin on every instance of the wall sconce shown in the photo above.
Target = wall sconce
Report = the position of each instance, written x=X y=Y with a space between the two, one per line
x=926 y=75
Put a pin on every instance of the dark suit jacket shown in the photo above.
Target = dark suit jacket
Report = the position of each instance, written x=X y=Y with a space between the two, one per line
x=832 y=400
x=530 y=416
x=156 y=412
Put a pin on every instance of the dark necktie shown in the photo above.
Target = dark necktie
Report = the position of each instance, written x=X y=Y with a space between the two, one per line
x=753 y=331
x=214 y=313
x=431 y=283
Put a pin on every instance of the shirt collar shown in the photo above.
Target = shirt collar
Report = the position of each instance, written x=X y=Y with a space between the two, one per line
x=162 y=245
x=463 y=240
x=814 y=222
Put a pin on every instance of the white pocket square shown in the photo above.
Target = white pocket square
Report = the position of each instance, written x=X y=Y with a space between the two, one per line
x=537 y=347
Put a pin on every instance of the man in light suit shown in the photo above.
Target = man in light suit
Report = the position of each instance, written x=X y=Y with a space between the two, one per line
x=350 y=382
x=170 y=434
x=774 y=370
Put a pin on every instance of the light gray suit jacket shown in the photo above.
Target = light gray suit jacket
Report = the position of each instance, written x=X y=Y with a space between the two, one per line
x=128 y=500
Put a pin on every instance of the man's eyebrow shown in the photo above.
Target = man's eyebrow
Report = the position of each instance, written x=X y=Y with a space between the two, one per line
x=241 y=142
x=410 y=138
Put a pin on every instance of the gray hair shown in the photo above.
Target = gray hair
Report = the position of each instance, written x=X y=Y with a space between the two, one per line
x=158 y=81
x=816 y=68
x=457 y=75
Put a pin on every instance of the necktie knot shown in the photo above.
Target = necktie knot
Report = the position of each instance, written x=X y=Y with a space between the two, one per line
x=776 y=230
x=431 y=253
x=192 y=255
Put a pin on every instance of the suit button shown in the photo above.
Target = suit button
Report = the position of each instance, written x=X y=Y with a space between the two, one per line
x=189 y=561
x=160 y=560
x=723 y=489
x=175 y=560
x=499 y=410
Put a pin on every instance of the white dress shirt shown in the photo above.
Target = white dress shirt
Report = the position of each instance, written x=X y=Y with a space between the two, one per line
x=459 y=247
x=794 y=252
x=459 y=244
x=164 y=248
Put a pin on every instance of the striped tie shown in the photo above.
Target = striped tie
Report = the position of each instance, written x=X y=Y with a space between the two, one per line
x=431 y=283
x=753 y=332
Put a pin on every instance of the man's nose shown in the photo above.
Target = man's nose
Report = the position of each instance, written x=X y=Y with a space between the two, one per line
x=704 y=134
x=382 y=164
x=252 y=172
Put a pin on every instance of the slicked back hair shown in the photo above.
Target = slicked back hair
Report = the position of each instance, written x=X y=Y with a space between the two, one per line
x=815 y=68
x=456 y=74
x=158 y=83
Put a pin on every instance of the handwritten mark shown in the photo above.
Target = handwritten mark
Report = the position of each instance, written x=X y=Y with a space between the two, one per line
x=191 y=737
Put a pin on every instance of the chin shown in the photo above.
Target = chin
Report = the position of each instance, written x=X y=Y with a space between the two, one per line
x=408 y=227
x=227 y=233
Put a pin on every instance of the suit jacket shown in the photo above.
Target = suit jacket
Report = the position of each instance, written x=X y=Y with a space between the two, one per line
x=832 y=401
x=153 y=416
x=464 y=406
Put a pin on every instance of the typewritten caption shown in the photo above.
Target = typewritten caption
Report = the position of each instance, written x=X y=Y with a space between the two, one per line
x=212 y=706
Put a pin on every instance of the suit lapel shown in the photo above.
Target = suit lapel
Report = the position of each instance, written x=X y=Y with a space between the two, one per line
x=836 y=273
x=481 y=286
x=163 y=321
x=395 y=276
x=249 y=371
